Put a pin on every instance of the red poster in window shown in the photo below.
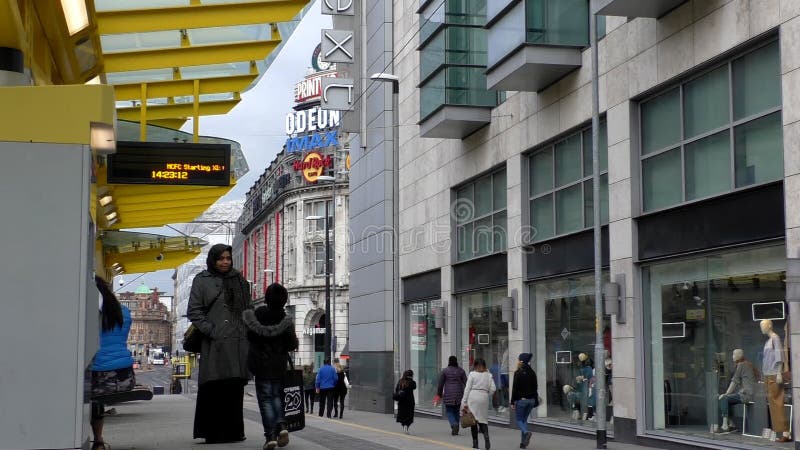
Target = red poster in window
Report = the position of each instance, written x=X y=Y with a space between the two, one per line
x=419 y=328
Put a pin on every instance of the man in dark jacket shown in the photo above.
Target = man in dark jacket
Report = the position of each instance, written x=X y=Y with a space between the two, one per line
x=271 y=335
x=524 y=395
x=451 y=388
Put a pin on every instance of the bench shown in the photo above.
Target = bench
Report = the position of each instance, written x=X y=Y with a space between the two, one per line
x=139 y=392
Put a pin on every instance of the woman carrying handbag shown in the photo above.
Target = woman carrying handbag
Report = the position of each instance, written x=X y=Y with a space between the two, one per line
x=480 y=388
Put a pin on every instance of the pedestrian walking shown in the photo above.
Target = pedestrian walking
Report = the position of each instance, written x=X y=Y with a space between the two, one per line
x=270 y=332
x=477 y=393
x=217 y=300
x=324 y=386
x=524 y=396
x=340 y=391
x=450 y=390
x=308 y=387
x=404 y=395
x=112 y=368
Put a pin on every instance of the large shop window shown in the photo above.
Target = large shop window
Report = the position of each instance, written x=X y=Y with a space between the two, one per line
x=424 y=344
x=561 y=185
x=485 y=335
x=710 y=320
x=564 y=341
x=715 y=133
x=480 y=215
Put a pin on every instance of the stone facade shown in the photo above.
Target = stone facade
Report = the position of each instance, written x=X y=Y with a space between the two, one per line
x=637 y=57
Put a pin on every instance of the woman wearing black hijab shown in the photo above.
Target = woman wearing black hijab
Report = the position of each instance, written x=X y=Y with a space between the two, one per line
x=217 y=300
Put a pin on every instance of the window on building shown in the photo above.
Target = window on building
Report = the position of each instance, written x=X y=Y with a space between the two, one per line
x=453 y=56
x=480 y=214
x=316 y=259
x=561 y=191
x=317 y=208
x=558 y=22
x=718 y=132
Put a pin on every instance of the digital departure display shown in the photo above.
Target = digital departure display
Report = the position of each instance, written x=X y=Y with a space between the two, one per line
x=170 y=163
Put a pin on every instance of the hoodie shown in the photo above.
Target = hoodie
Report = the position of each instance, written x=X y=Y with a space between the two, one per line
x=272 y=337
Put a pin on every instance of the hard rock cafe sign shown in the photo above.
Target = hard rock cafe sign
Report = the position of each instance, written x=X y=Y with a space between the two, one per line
x=313 y=165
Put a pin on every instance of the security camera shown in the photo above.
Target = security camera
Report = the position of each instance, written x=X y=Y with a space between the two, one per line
x=121 y=282
x=160 y=257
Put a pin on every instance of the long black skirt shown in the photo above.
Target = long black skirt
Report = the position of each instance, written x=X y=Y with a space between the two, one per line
x=218 y=416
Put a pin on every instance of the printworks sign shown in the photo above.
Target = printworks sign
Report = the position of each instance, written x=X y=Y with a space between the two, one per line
x=313 y=165
x=310 y=89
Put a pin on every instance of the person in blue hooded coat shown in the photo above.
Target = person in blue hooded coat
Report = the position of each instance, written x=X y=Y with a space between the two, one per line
x=112 y=368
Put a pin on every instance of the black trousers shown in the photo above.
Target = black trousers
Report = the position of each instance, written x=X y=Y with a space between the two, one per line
x=326 y=397
x=338 y=403
x=309 y=395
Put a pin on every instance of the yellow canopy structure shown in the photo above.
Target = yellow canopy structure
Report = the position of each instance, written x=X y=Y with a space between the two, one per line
x=168 y=61
x=143 y=252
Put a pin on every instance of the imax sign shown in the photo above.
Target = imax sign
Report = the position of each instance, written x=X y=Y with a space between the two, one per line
x=312 y=141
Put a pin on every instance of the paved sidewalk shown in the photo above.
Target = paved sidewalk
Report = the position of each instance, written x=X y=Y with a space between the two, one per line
x=166 y=423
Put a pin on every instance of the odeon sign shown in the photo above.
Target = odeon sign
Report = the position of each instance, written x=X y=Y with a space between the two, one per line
x=313 y=119
x=322 y=121
x=313 y=165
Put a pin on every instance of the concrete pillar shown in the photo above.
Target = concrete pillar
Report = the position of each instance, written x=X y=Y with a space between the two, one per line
x=790 y=79
x=622 y=248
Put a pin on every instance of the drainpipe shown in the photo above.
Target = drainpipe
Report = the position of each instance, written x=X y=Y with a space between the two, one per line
x=599 y=349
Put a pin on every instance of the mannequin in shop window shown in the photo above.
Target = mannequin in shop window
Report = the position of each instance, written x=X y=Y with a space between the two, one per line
x=740 y=389
x=772 y=367
x=579 y=394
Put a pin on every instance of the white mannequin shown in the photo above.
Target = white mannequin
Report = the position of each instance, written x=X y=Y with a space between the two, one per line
x=766 y=330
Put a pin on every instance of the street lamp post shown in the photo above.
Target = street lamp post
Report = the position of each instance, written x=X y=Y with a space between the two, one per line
x=395 y=80
x=329 y=352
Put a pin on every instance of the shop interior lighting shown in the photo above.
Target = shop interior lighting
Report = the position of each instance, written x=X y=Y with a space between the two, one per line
x=76 y=15
x=95 y=80
x=111 y=216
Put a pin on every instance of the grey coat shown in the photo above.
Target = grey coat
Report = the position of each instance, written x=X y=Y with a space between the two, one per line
x=223 y=354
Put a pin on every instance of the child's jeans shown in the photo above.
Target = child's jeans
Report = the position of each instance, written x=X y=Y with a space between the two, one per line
x=270 y=401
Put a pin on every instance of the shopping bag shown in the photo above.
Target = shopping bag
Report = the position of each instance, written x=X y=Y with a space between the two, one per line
x=293 y=411
x=468 y=420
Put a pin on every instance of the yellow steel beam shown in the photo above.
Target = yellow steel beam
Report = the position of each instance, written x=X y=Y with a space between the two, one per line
x=12 y=27
x=62 y=47
x=144 y=220
x=172 y=124
x=198 y=55
x=197 y=16
x=150 y=259
x=175 y=88
x=124 y=208
x=157 y=112
x=150 y=192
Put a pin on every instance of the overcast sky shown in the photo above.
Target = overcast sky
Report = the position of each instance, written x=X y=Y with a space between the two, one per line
x=257 y=123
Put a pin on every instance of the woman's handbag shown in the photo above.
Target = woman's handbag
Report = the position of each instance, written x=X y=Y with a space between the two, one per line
x=193 y=339
x=468 y=420
x=293 y=411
